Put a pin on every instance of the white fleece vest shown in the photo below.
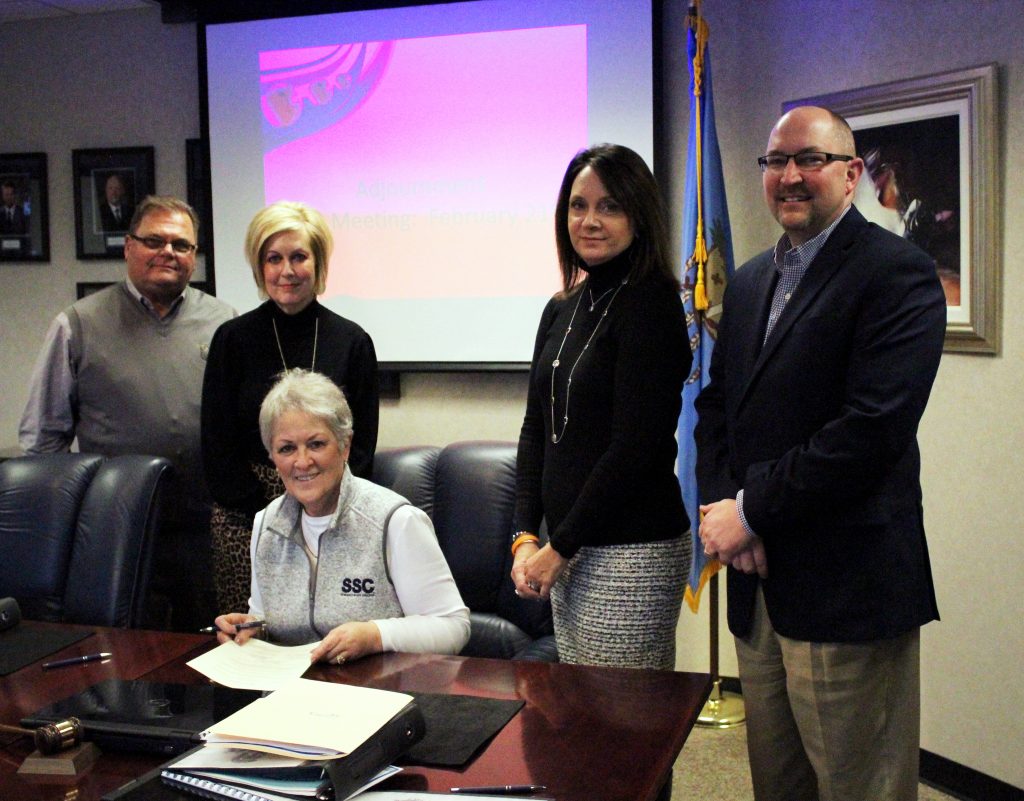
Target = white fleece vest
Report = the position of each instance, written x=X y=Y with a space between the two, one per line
x=351 y=581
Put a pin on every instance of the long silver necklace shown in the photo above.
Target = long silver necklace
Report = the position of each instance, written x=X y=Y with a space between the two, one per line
x=556 y=438
x=316 y=336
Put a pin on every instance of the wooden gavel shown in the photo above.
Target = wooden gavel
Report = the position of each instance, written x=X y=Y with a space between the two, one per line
x=52 y=737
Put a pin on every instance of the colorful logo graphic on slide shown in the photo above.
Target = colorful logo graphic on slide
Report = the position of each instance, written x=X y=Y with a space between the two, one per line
x=303 y=91
x=436 y=160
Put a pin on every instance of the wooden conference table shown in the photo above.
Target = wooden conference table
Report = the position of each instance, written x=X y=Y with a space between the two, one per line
x=587 y=733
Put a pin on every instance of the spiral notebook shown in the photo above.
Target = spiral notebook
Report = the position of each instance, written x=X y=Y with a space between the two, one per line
x=207 y=788
x=212 y=788
x=251 y=770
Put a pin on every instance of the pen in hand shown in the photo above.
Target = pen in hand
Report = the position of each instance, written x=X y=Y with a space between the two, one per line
x=76 y=660
x=252 y=624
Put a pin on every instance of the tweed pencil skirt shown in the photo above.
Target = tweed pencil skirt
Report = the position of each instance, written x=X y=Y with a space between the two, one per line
x=618 y=605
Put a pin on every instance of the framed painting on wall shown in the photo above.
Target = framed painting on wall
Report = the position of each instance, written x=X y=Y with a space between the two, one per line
x=931 y=175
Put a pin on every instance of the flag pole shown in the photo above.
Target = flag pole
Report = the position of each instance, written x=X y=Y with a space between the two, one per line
x=723 y=710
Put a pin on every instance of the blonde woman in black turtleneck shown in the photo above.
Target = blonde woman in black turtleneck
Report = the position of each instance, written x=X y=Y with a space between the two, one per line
x=597 y=449
x=288 y=246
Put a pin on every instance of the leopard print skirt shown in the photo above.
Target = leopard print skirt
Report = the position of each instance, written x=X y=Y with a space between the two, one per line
x=231 y=532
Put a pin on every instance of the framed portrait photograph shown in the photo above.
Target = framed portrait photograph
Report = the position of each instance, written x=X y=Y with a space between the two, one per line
x=930 y=154
x=24 y=208
x=108 y=185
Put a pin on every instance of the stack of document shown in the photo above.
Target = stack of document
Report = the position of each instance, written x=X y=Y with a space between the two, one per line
x=309 y=720
x=292 y=744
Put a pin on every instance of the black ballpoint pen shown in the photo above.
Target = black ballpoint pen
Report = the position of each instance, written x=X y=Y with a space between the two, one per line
x=501 y=789
x=75 y=660
x=252 y=624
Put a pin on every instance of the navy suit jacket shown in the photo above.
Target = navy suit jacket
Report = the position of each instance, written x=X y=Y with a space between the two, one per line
x=18 y=226
x=819 y=428
x=107 y=222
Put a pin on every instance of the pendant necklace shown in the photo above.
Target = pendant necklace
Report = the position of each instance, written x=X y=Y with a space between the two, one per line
x=316 y=335
x=556 y=438
x=600 y=297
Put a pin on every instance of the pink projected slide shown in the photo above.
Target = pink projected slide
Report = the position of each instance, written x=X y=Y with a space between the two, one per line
x=402 y=143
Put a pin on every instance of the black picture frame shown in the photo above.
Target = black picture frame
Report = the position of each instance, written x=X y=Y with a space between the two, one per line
x=24 y=208
x=99 y=234
x=198 y=188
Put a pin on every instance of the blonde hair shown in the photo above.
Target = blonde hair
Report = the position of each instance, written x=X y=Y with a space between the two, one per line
x=288 y=215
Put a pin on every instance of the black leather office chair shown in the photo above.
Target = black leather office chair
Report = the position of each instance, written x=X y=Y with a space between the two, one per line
x=77 y=534
x=468 y=489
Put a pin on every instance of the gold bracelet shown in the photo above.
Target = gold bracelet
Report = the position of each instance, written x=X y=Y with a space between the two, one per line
x=523 y=537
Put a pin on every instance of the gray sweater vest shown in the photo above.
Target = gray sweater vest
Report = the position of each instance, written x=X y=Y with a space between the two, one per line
x=351 y=581
x=140 y=379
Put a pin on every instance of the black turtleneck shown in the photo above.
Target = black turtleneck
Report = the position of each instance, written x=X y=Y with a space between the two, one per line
x=610 y=479
x=243 y=362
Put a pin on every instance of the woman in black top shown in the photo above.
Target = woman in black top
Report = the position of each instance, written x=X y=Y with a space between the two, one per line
x=288 y=246
x=597 y=449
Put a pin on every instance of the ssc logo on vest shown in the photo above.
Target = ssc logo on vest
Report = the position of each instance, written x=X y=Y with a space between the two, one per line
x=357 y=586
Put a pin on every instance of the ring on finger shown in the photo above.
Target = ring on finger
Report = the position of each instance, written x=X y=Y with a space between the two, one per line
x=533 y=585
x=339 y=659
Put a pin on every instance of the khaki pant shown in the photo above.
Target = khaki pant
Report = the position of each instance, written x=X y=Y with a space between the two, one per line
x=830 y=721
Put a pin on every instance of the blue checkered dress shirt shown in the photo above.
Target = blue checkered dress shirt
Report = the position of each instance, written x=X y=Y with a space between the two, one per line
x=791 y=264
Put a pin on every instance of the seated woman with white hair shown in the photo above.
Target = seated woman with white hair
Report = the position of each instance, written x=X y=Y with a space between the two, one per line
x=338 y=561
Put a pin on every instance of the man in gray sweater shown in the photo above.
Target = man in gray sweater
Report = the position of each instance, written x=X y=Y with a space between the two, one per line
x=122 y=371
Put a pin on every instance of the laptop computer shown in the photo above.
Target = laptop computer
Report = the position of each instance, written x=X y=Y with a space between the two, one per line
x=147 y=716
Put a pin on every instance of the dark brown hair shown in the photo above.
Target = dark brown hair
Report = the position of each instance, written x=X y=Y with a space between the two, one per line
x=628 y=179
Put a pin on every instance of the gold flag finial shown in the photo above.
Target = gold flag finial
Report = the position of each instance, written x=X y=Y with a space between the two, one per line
x=700 y=251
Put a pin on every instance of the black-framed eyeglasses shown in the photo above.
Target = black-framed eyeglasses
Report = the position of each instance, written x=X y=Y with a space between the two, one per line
x=180 y=246
x=808 y=160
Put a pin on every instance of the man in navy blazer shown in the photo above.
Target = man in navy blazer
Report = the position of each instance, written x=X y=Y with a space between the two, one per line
x=807 y=455
x=12 y=211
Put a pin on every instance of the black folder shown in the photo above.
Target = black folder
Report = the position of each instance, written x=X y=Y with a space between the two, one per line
x=145 y=716
x=392 y=740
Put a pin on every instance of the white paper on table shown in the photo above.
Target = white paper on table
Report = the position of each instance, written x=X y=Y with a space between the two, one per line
x=314 y=719
x=256 y=665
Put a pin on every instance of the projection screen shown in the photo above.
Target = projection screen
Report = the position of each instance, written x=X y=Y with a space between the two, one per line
x=433 y=139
